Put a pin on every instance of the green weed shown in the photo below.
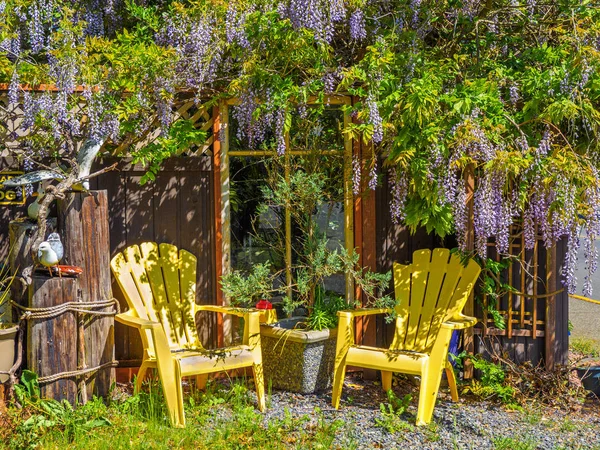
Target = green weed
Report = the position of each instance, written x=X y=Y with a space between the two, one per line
x=584 y=346
x=492 y=383
x=567 y=426
x=432 y=432
x=42 y=416
x=509 y=443
x=390 y=413
x=532 y=416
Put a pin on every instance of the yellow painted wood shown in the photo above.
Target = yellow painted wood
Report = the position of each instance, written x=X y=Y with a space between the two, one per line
x=288 y=225
x=154 y=275
x=136 y=266
x=225 y=212
x=122 y=273
x=402 y=291
x=133 y=282
x=187 y=283
x=180 y=310
x=430 y=295
x=295 y=152
x=159 y=284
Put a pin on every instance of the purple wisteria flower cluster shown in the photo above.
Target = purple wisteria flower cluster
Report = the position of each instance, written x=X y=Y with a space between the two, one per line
x=399 y=187
x=200 y=52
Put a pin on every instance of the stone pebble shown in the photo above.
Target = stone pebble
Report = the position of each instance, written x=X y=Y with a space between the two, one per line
x=468 y=424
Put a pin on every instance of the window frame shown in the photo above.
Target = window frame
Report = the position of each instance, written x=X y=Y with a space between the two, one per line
x=223 y=212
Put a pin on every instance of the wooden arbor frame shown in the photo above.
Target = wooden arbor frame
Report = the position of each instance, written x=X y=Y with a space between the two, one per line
x=359 y=211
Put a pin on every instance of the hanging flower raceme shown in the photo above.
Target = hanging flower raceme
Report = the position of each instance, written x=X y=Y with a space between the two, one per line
x=398 y=182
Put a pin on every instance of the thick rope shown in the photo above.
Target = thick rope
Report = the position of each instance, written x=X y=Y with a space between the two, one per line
x=76 y=373
x=55 y=311
x=80 y=307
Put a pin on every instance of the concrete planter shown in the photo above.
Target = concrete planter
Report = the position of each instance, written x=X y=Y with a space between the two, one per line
x=297 y=360
x=8 y=343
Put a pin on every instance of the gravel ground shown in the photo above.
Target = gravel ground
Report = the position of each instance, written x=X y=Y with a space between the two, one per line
x=467 y=424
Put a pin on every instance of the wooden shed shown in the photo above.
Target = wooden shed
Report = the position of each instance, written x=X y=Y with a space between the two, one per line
x=189 y=205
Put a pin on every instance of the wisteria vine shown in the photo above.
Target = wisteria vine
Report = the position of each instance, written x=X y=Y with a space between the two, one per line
x=465 y=104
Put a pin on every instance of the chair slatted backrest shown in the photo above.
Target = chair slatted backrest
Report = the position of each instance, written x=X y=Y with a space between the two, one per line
x=431 y=290
x=159 y=282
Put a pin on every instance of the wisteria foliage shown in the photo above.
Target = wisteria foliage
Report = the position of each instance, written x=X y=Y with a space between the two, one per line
x=498 y=96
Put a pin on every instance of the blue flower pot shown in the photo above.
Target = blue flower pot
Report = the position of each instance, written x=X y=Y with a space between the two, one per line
x=588 y=371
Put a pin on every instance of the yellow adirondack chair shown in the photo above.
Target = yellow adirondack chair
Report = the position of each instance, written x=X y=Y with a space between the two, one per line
x=159 y=284
x=430 y=295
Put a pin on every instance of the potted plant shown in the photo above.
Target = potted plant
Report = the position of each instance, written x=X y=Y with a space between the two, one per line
x=299 y=349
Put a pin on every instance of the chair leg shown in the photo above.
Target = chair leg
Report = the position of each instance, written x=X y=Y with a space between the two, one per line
x=141 y=376
x=173 y=393
x=259 y=383
x=201 y=381
x=451 y=382
x=430 y=385
x=338 y=384
x=386 y=380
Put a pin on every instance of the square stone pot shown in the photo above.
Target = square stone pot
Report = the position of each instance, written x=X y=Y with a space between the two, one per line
x=297 y=360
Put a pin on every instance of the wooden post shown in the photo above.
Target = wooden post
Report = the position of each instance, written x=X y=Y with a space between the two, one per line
x=52 y=342
x=217 y=215
x=83 y=226
x=364 y=238
x=469 y=343
x=550 y=331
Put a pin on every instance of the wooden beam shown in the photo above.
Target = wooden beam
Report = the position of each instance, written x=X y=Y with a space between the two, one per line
x=217 y=218
x=348 y=203
x=550 y=332
x=469 y=342
x=358 y=232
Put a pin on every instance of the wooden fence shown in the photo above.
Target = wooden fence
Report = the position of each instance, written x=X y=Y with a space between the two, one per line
x=175 y=208
x=536 y=313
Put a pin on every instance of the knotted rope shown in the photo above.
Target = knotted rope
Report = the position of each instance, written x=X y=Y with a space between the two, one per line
x=81 y=307
x=55 y=311
x=76 y=373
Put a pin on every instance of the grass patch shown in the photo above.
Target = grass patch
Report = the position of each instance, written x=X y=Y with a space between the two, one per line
x=509 y=443
x=585 y=346
x=222 y=417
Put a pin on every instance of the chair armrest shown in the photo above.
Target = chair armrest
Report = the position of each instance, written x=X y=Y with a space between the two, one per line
x=235 y=311
x=364 y=312
x=128 y=318
x=460 y=322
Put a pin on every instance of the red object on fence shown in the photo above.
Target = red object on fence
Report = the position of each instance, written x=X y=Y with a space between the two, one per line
x=264 y=304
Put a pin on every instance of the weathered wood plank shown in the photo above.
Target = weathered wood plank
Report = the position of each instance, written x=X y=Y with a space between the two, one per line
x=166 y=226
x=114 y=183
x=52 y=343
x=83 y=226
